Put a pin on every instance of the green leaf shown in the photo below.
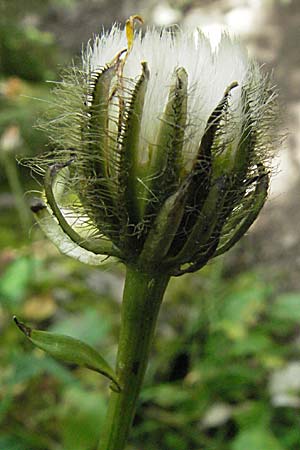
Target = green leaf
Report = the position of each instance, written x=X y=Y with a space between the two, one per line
x=165 y=395
x=241 y=310
x=26 y=367
x=5 y=405
x=255 y=414
x=86 y=325
x=11 y=443
x=254 y=343
x=70 y=350
x=256 y=439
x=175 y=440
x=82 y=414
x=19 y=439
x=15 y=280
x=287 y=307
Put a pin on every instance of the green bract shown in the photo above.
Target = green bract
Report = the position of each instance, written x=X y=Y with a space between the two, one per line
x=161 y=151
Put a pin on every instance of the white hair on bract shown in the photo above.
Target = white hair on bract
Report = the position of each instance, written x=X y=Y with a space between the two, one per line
x=209 y=72
x=161 y=148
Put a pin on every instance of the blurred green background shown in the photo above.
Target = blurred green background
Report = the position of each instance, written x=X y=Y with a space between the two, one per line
x=225 y=368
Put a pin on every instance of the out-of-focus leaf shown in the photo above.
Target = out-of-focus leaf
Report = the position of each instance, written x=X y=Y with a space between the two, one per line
x=254 y=414
x=175 y=440
x=256 y=439
x=240 y=311
x=5 y=404
x=166 y=395
x=39 y=308
x=11 y=443
x=286 y=307
x=28 y=366
x=23 y=440
x=83 y=413
x=252 y=344
x=87 y=325
x=15 y=280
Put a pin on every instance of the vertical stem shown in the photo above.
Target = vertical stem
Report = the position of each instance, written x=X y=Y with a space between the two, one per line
x=142 y=298
x=16 y=189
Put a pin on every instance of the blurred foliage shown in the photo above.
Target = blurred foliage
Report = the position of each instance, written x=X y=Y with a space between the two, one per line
x=28 y=57
x=22 y=45
x=220 y=340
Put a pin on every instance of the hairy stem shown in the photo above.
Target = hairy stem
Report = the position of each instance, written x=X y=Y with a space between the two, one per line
x=142 y=297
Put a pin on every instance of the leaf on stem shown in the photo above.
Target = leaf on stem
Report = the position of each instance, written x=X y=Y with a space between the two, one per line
x=70 y=350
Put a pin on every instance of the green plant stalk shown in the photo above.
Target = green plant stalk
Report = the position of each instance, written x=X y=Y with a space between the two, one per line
x=143 y=293
x=17 y=190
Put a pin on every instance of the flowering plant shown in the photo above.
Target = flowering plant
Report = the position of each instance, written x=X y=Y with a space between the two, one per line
x=161 y=159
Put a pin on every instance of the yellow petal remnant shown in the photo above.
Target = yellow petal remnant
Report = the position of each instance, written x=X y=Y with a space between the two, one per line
x=130 y=29
x=173 y=142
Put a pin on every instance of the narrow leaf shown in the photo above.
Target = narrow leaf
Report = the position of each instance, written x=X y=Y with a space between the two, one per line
x=70 y=350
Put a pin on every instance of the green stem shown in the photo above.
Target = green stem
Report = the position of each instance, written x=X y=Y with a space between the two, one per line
x=142 y=298
x=17 y=190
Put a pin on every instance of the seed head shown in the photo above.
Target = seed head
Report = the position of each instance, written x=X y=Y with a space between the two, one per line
x=162 y=149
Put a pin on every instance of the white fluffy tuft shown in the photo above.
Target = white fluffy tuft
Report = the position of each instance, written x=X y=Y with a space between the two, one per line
x=209 y=71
